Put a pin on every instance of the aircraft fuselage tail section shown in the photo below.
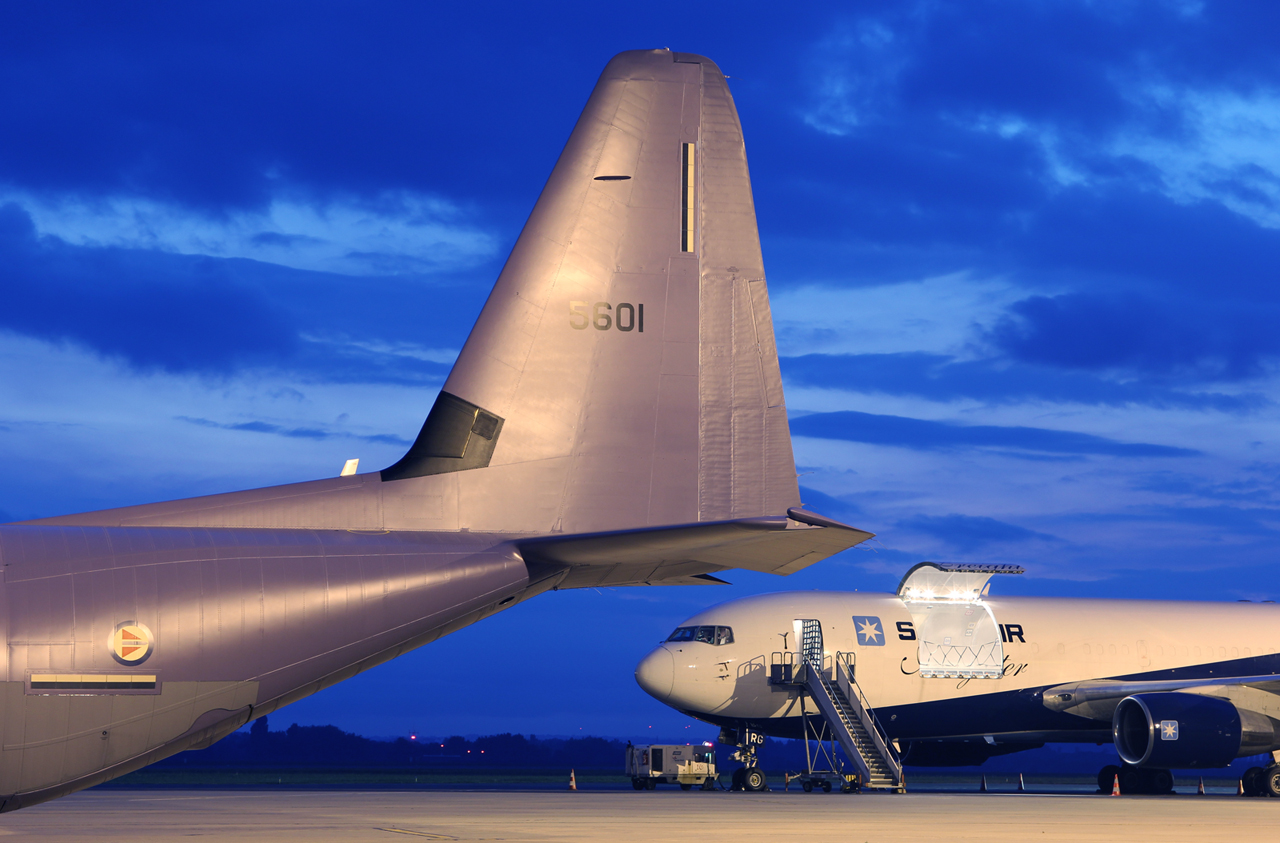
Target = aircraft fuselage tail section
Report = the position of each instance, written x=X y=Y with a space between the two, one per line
x=615 y=417
x=141 y=642
x=628 y=345
x=623 y=372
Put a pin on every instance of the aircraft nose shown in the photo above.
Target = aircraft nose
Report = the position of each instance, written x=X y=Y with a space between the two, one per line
x=656 y=673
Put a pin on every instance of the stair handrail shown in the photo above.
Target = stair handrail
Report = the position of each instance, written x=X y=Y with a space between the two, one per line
x=848 y=660
x=867 y=714
x=785 y=659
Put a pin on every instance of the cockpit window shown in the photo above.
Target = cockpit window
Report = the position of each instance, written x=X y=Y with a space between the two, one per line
x=714 y=635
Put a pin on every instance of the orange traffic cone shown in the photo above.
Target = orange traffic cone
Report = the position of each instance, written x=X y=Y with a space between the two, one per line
x=1201 y=789
x=1022 y=787
x=983 y=788
x=1115 y=786
x=573 y=783
x=1240 y=788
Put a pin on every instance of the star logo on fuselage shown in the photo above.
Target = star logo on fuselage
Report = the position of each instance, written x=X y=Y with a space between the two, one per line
x=869 y=631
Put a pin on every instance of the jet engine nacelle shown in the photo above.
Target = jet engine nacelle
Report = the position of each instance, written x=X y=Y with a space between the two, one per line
x=1171 y=729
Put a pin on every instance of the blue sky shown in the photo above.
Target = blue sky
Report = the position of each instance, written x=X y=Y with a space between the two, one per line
x=1022 y=258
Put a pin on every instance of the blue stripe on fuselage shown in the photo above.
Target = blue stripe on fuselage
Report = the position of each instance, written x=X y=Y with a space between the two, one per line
x=1003 y=712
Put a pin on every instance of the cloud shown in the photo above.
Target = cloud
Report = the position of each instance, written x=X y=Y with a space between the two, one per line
x=160 y=310
x=342 y=359
x=938 y=377
x=1129 y=331
x=200 y=107
x=392 y=233
x=411 y=351
x=1225 y=153
x=935 y=314
x=967 y=533
x=924 y=435
x=184 y=313
x=258 y=426
x=1256 y=484
x=830 y=506
x=856 y=74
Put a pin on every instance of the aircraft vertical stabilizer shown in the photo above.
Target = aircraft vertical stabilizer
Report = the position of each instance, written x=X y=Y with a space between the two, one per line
x=614 y=418
x=627 y=348
x=622 y=373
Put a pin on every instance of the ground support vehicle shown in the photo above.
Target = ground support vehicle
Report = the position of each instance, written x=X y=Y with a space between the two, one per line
x=687 y=766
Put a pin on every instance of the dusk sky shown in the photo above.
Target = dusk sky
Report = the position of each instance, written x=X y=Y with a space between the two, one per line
x=1022 y=257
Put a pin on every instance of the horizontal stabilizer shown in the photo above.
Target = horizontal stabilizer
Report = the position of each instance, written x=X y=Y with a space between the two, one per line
x=774 y=545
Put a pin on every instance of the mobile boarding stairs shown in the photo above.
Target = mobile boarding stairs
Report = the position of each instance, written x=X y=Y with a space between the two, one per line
x=846 y=716
x=958 y=638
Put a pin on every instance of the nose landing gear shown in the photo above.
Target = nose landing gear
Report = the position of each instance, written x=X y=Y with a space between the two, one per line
x=749 y=777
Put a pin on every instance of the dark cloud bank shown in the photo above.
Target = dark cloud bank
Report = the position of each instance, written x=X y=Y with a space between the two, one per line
x=922 y=435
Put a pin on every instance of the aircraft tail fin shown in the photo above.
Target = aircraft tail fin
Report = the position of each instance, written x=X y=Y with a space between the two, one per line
x=623 y=371
x=621 y=375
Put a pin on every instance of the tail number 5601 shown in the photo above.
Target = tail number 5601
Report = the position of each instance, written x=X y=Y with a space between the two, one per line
x=603 y=316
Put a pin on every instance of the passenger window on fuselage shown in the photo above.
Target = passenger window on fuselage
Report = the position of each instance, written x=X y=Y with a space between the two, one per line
x=714 y=635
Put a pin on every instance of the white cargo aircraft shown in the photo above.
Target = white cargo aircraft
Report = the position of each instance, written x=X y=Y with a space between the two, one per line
x=943 y=674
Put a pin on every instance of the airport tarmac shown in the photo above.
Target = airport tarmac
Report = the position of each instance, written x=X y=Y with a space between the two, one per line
x=142 y=816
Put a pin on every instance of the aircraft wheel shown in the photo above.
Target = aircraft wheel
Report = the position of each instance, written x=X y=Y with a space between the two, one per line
x=1131 y=780
x=807 y=786
x=826 y=787
x=1107 y=778
x=1160 y=781
x=1252 y=782
x=754 y=780
x=736 y=783
x=638 y=784
x=1270 y=780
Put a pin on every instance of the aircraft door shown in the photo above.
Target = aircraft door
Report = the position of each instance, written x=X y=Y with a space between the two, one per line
x=958 y=634
x=809 y=637
x=960 y=640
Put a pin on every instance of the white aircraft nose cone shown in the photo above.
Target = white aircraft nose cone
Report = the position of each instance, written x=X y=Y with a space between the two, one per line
x=656 y=673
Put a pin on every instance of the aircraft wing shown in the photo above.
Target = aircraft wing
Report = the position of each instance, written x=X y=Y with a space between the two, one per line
x=1097 y=698
x=687 y=554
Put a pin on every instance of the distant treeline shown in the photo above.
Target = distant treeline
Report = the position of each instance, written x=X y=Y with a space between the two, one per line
x=329 y=746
